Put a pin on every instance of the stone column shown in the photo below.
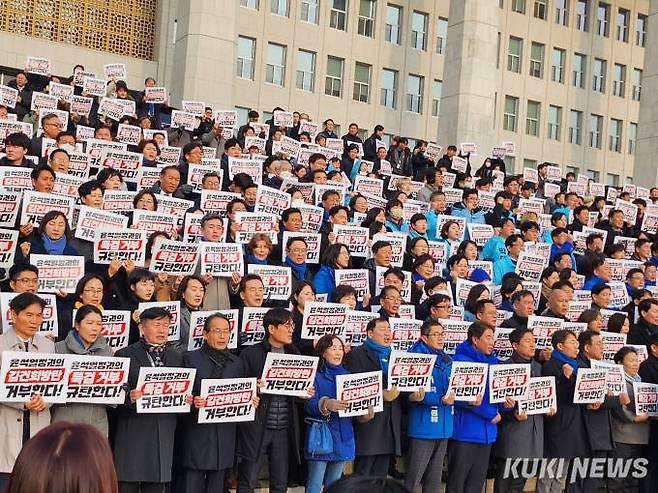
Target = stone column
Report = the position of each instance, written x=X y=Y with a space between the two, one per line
x=204 y=52
x=469 y=75
x=645 y=168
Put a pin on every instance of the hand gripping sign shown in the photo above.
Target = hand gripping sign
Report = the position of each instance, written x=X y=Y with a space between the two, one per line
x=164 y=389
x=409 y=372
x=228 y=400
x=24 y=374
x=288 y=374
x=323 y=318
x=360 y=391
x=542 y=397
x=591 y=386
x=467 y=380
x=646 y=398
x=508 y=381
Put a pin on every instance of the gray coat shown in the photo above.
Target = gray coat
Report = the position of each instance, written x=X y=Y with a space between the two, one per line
x=624 y=428
x=521 y=438
x=210 y=139
x=11 y=413
x=91 y=414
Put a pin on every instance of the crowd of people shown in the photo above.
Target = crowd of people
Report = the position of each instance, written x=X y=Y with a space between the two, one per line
x=427 y=236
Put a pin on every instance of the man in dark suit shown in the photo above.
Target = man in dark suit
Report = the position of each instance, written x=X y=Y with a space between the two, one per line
x=144 y=443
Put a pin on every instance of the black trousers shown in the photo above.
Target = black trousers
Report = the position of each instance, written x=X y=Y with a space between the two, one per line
x=4 y=481
x=372 y=465
x=135 y=487
x=467 y=467
x=275 y=447
x=201 y=481
x=509 y=484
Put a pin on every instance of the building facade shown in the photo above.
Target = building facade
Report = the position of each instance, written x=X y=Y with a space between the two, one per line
x=560 y=78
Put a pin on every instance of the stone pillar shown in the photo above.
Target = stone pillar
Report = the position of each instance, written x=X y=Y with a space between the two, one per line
x=469 y=75
x=645 y=168
x=204 y=53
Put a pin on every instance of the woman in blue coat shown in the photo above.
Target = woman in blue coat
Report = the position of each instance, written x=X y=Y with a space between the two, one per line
x=430 y=415
x=325 y=469
x=336 y=256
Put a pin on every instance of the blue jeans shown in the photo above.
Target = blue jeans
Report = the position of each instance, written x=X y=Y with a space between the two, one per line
x=322 y=472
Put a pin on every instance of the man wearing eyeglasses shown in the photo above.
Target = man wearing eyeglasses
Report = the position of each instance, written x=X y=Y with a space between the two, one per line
x=24 y=278
x=390 y=300
x=275 y=434
x=51 y=126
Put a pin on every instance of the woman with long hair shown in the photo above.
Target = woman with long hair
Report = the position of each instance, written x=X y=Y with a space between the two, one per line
x=336 y=256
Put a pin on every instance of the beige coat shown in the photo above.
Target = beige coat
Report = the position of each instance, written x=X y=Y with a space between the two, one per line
x=11 y=413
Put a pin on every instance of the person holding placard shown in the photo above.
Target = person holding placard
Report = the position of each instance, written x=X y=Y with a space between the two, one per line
x=144 y=443
x=647 y=325
x=630 y=430
x=474 y=430
x=84 y=339
x=205 y=451
x=430 y=415
x=302 y=293
x=127 y=295
x=53 y=237
x=507 y=263
x=21 y=421
x=336 y=256
x=378 y=440
x=649 y=373
x=275 y=434
x=519 y=435
x=324 y=469
x=190 y=293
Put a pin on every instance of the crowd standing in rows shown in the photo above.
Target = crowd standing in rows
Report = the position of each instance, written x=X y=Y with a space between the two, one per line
x=445 y=240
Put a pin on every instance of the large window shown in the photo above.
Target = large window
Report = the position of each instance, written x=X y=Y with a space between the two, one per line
x=279 y=7
x=637 y=84
x=305 y=70
x=554 y=122
x=437 y=89
x=557 y=65
x=582 y=15
x=598 y=75
x=632 y=137
x=615 y=135
x=415 y=93
x=619 y=80
x=419 y=30
x=514 y=54
x=510 y=114
x=623 y=18
x=562 y=12
x=245 y=61
x=310 y=10
x=441 y=35
x=393 y=29
x=575 y=127
x=540 y=9
x=532 y=118
x=537 y=60
x=603 y=19
x=389 y=90
x=595 y=129
x=338 y=14
x=275 y=69
x=640 y=30
x=578 y=64
x=367 y=10
x=333 y=85
x=362 y=73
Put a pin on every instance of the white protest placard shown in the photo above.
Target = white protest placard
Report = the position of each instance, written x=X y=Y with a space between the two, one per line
x=151 y=221
x=251 y=167
x=93 y=86
x=459 y=164
x=215 y=201
x=221 y=259
x=114 y=71
x=468 y=148
x=174 y=258
x=129 y=134
x=81 y=105
x=408 y=372
x=542 y=397
x=366 y=184
x=313 y=241
x=357 y=278
x=197 y=108
x=125 y=162
x=355 y=326
x=58 y=271
x=9 y=208
x=91 y=220
x=97 y=379
x=404 y=333
x=323 y=318
x=60 y=91
x=553 y=173
x=277 y=281
x=311 y=218
x=283 y=119
x=124 y=244
x=8 y=96
x=95 y=148
x=254 y=222
x=502 y=346
x=590 y=386
x=511 y=380
x=50 y=323
x=156 y=95
x=398 y=243
x=182 y=119
x=543 y=329
x=169 y=155
x=80 y=75
x=646 y=398
x=37 y=204
x=39 y=66
x=271 y=201
x=251 y=326
x=227 y=400
x=173 y=307
x=361 y=391
x=24 y=374
x=467 y=380
x=530 y=174
x=355 y=238
x=288 y=374
x=454 y=333
x=530 y=266
x=164 y=389
x=116 y=328
x=612 y=342
x=8 y=245
x=614 y=377
x=480 y=233
x=227 y=118
x=196 y=172
x=79 y=165
x=198 y=320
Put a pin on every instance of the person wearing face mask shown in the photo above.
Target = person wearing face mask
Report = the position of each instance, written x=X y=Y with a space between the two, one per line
x=395 y=217
x=84 y=339
x=144 y=442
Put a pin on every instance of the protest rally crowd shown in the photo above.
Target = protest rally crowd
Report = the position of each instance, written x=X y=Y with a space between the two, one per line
x=212 y=298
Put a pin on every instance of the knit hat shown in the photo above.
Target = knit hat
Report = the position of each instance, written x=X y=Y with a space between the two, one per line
x=479 y=275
